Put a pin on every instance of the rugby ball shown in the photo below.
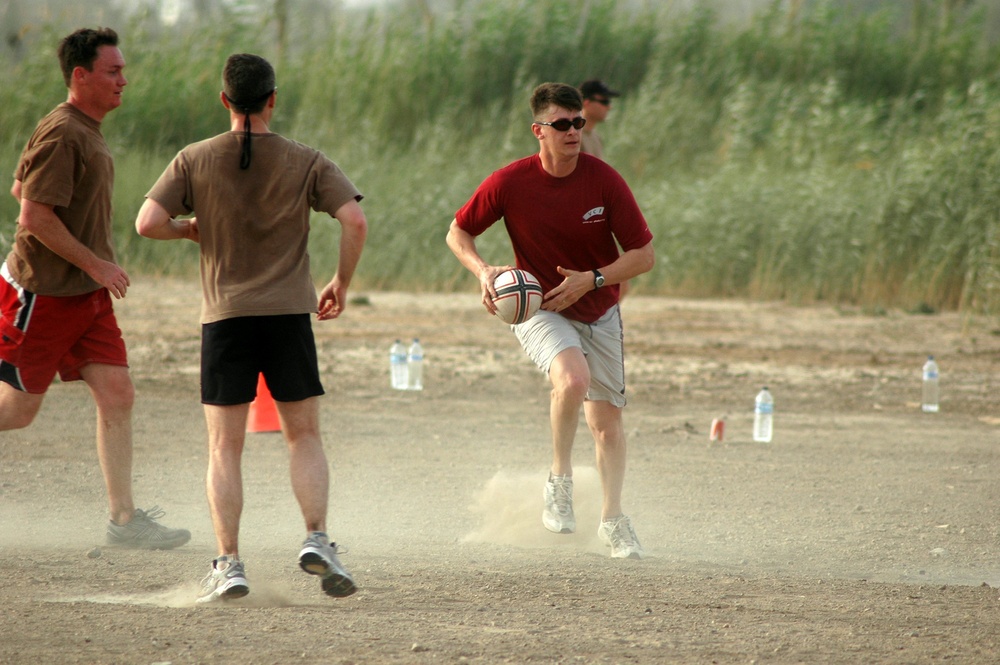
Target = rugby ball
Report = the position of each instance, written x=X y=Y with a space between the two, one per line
x=519 y=295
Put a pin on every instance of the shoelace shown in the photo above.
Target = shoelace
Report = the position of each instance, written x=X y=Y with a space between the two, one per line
x=337 y=549
x=621 y=533
x=561 y=496
x=153 y=513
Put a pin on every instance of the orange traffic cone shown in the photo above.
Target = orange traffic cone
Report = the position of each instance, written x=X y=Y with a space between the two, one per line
x=263 y=416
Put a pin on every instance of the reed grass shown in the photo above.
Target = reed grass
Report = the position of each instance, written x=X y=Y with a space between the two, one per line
x=812 y=153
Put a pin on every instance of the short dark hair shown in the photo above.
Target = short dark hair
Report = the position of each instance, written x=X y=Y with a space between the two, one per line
x=555 y=94
x=247 y=81
x=80 y=49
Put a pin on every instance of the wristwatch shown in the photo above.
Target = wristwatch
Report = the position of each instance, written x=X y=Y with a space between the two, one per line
x=598 y=279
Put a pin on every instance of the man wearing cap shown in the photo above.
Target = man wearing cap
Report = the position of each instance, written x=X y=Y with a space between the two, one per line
x=596 y=105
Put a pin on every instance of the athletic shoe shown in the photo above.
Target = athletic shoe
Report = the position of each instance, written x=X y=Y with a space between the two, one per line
x=619 y=534
x=558 y=514
x=319 y=557
x=143 y=532
x=225 y=582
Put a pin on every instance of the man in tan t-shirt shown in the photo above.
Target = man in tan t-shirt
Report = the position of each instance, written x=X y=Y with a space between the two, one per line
x=55 y=293
x=596 y=106
x=251 y=192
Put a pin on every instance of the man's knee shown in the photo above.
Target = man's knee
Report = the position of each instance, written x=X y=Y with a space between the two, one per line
x=570 y=374
x=605 y=419
x=15 y=420
x=112 y=387
x=119 y=395
x=17 y=409
x=572 y=385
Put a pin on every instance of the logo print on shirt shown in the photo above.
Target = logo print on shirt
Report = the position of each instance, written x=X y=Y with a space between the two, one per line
x=593 y=212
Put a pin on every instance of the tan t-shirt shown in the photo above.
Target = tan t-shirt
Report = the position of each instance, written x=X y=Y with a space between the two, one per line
x=66 y=164
x=590 y=143
x=254 y=223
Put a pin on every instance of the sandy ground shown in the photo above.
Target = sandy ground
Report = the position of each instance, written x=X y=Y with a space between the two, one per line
x=865 y=532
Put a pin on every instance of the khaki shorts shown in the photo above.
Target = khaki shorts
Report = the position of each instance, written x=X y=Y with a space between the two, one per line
x=547 y=334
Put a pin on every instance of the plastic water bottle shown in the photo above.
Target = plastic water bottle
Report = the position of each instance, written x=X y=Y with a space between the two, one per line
x=397 y=365
x=415 y=366
x=932 y=391
x=763 y=416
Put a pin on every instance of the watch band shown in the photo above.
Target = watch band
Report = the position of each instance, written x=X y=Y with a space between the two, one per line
x=598 y=279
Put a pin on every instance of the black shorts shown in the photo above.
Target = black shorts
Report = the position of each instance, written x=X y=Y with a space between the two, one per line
x=234 y=352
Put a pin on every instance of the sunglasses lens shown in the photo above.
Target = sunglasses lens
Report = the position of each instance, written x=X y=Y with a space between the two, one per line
x=563 y=124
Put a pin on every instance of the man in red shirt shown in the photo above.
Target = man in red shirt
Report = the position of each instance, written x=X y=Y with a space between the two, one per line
x=566 y=214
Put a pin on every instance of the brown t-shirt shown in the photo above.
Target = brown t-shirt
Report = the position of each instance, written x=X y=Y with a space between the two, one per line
x=253 y=223
x=66 y=164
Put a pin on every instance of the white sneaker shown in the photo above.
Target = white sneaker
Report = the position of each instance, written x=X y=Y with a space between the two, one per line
x=319 y=557
x=558 y=514
x=225 y=582
x=618 y=533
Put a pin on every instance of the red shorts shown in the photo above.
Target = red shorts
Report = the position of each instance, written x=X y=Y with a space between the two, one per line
x=42 y=335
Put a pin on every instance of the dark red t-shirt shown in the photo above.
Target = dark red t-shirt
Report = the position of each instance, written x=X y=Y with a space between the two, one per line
x=577 y=222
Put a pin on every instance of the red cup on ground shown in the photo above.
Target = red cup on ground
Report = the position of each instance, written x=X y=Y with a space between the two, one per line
x=716 y=432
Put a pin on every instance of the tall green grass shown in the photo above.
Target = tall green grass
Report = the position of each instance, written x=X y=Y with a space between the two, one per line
x=812 y=153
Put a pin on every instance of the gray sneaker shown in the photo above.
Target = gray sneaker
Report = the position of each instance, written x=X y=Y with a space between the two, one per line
x=558 y=514
x=226 y=581
x=319 y=557
x=143 y=532
x=618 y=533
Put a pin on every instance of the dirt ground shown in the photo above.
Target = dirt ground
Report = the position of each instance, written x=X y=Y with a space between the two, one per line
x=866 y=532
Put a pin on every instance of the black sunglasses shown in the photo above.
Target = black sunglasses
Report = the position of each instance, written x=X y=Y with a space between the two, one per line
x=604 y=101
x=563 y=124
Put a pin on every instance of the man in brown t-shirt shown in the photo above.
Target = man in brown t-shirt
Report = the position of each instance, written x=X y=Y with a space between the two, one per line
x=252 y=192
x=56 y=283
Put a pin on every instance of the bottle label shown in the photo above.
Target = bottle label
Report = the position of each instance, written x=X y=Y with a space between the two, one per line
x=764 y=409
x=930 y=376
